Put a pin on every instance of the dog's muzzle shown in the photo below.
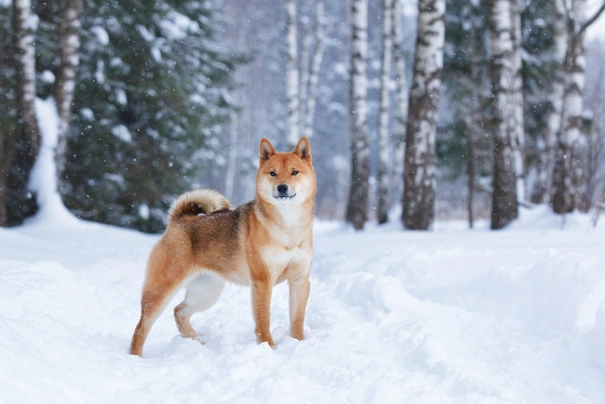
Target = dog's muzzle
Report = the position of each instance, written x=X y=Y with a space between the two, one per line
x=283 y=192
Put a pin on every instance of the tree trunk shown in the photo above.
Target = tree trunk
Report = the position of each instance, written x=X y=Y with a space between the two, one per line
x=27 y=140
x=383 y=121
x=232 y=157
x=401 y=90
x=471 y=179
x=314 y=68
x=3 y=160
x=3 y=146
x=547 y=144
x=518 y=121
x=69 y=59
x=419 y=175
x=357 y=209
x=292 y=82
x=472 y=119
x=505 y=120
x=567 y=176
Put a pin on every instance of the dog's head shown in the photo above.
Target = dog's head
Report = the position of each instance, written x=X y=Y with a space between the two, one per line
x=285 y=177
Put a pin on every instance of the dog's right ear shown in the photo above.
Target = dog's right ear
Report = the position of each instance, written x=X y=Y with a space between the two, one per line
x=266 y=150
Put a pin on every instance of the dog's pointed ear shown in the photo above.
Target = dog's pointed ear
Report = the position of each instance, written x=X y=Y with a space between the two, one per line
x=303 y=149
x=266 y=150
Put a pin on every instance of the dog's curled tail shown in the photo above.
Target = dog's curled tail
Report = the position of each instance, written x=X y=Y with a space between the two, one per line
x=198 y=202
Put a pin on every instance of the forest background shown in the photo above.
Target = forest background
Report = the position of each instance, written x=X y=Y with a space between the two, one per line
x=434 y=109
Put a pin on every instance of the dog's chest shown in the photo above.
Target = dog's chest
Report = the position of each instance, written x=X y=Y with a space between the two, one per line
x=280 y=259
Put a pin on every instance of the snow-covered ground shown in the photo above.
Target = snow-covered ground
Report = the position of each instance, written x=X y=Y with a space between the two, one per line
x=405 y=317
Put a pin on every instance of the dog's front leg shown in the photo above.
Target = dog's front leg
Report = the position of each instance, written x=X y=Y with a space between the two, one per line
x=261 y=307
x=299 y=294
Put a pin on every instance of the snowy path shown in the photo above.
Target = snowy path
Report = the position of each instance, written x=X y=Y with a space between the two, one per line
x=446 y=316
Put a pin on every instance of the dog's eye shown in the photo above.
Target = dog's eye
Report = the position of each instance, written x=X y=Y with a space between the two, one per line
x=272 y=173
x=294 y=172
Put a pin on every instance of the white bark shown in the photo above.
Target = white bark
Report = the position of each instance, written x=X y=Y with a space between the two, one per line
x=314 y=69
x=232 y=157
x=399 y=64
x=519 y=131
x=26 y=79
x=383 y=120
x=419 y=176
x=292 y=79
x=401 y=90
x=567 y=177
x=360 y=150
x=69 y=47
x=507 y=118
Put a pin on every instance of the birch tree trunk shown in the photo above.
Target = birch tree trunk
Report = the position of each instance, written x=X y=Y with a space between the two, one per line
x=567 y=175
x=518 y=119
x=357 y=208
x=232 y=157
x=314 y=69
x=419 y=171
x=383 y=119
x=401 y=89
x=548 y=143
x=503 y=70
x=28 y=132
x=292 y=79
x=69 y=59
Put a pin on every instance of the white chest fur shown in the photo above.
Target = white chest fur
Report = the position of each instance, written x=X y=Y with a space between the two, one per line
x=279 y=259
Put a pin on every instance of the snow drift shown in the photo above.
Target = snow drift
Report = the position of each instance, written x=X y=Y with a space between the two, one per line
x=447 y=316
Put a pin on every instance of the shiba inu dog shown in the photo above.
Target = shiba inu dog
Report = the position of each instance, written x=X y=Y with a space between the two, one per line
x=259 y=244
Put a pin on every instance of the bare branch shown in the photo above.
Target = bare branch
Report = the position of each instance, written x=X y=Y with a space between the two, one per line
x=590 y=21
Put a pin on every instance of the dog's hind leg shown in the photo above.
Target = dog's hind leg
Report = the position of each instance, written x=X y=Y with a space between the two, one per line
x=161 y=284
x=202 y=292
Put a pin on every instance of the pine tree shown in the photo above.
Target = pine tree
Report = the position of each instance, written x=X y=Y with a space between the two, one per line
x=419 y=175
x=152 y=97
x=463 y=143
x=548 y=126
x=357 y=208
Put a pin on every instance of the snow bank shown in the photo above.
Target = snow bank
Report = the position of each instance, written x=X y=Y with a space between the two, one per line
x=43 y=178
x=449 y=316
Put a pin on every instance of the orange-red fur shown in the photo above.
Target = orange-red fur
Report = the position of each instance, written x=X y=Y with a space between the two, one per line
x=260 y=244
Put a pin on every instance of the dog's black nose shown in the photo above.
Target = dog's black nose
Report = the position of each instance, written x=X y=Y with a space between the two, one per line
x=282 y=188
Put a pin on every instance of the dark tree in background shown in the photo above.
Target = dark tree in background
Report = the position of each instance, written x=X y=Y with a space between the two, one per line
x=464 y=144
x=420 y=159
x=153 y=90
x=548 y=127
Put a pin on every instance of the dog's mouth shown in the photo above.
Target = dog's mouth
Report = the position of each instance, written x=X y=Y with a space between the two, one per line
x=284 y=197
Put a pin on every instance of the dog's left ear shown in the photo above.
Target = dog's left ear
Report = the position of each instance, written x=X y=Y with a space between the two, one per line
x=303 y=149
x=266 y=150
